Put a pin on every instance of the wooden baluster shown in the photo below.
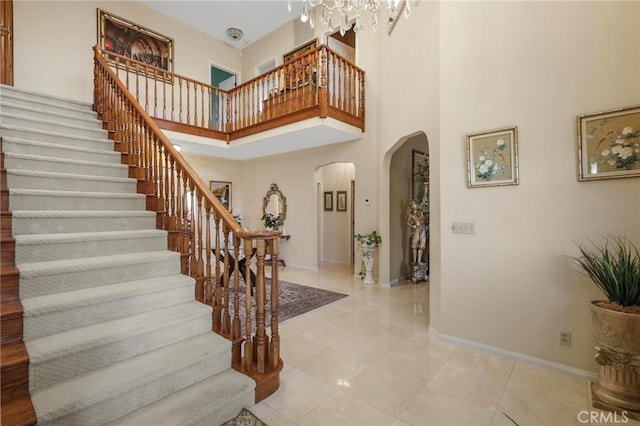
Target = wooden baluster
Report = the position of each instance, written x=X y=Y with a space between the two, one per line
x=217 y=292
x=138 y=83
x=173 y=99
x=362 y=101
x=202 y=124
x=226 y=319
x=164 y=95
x=146 y=89
x=195 y=103
x=236 y=329
x=259 y=339
x=274 y=346
x=181 y=117
x=155 y=92
x=248 y=341
x=207 y=254
x=188 y=102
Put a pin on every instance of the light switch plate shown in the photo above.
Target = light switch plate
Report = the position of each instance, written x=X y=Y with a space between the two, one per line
x=463 y=227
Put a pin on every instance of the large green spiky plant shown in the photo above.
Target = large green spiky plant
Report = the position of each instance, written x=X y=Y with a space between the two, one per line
x=615 y=269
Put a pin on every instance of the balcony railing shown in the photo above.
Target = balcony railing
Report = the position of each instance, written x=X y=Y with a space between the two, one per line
x=318 y=83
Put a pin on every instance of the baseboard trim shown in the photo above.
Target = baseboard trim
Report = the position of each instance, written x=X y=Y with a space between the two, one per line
x=515 y=356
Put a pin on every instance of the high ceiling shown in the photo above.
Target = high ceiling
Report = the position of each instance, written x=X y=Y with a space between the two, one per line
x=256 y=18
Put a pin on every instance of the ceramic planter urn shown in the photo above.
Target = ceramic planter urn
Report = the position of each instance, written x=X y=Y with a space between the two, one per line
x=616 y=337
x=367 y=260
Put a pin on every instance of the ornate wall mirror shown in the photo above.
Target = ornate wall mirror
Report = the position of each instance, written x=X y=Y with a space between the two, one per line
x=275 y=204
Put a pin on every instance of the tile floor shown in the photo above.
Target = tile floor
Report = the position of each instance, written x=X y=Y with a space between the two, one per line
x=368 y=359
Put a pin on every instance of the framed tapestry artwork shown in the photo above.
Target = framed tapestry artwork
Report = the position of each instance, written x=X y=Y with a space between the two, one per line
x=300 y=50
x=420 y=176
x=341 y=201
x=609 y=144
x=222 y=191
x=492 y=158
x=134 y=41
x=328 y=201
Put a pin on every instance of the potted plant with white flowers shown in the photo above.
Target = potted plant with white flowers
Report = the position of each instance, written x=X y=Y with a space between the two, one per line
x=368 y=243
x=615 y=269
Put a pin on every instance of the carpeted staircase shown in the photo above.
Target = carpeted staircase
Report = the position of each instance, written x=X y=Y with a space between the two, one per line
x=111 y=326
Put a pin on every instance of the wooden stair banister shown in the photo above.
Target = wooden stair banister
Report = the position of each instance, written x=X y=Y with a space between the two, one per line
x=197 y=223
x=318 y=83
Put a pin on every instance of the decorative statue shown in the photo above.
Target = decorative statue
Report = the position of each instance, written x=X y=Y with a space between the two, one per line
x=417 y=223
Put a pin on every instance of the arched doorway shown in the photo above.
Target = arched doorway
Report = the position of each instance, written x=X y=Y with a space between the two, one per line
x=408 y=180
x=335 y=183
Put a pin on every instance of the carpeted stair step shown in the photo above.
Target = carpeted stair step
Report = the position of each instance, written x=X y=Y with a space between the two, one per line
x=79 y=245
x=50 y=125
x=34 y=199
x=87 y=119
x=55 y=313
x=15 y=161
x=71 y=353
x=41 y=278
x=45 y=102
x=61 y=138
x=63 y=221
x=25 y=146
x=104 y=395
x=211 y=402
x=28 y=179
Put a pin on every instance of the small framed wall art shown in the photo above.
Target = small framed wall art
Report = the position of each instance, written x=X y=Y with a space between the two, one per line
x=222 y=191
x=328 y=201
x=341 y=201
x=609 y=144
x=492 y=158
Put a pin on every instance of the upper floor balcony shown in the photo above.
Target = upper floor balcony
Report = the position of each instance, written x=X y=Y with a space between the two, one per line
x=316 y=99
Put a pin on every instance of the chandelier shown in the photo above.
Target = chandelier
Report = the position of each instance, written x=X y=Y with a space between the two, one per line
x=342 y=12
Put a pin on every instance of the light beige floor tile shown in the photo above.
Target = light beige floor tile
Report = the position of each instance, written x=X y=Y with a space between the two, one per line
x=270 y=416
x=409 y=364
x=481 y=363
x=384 y=389
x=421 y=341
x=335 y=367
x=367 y=348
x=298 y=394
x=548 y=382
x=341 y=409
x=481 y=390
x=530 y=408
x=299 y=349
x=430 y=407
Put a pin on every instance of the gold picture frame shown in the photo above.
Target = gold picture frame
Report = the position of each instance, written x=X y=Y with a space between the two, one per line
x=609 y=144
x=328 y=201
x=492 y=158
x=341 y=201
x=134 y=41
x=222 y=191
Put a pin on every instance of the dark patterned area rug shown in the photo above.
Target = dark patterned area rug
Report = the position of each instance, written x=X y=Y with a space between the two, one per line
x=295 y=299
x=245 y=418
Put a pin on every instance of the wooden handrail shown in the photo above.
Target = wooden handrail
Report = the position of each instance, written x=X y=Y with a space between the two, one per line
x=193 y=216
x=319 y=80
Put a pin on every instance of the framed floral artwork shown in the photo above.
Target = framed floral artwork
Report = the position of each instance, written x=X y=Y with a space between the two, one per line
x=609 y=144
x=492 y=158
x=222 y=191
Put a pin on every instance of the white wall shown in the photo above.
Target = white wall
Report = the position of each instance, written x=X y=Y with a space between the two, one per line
x=536 y=65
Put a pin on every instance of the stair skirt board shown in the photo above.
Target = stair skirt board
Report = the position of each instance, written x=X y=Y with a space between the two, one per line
x=110 y=323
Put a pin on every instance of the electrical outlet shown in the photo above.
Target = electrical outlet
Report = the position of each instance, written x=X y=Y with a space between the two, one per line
x=565 y=338
x=463 y=228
